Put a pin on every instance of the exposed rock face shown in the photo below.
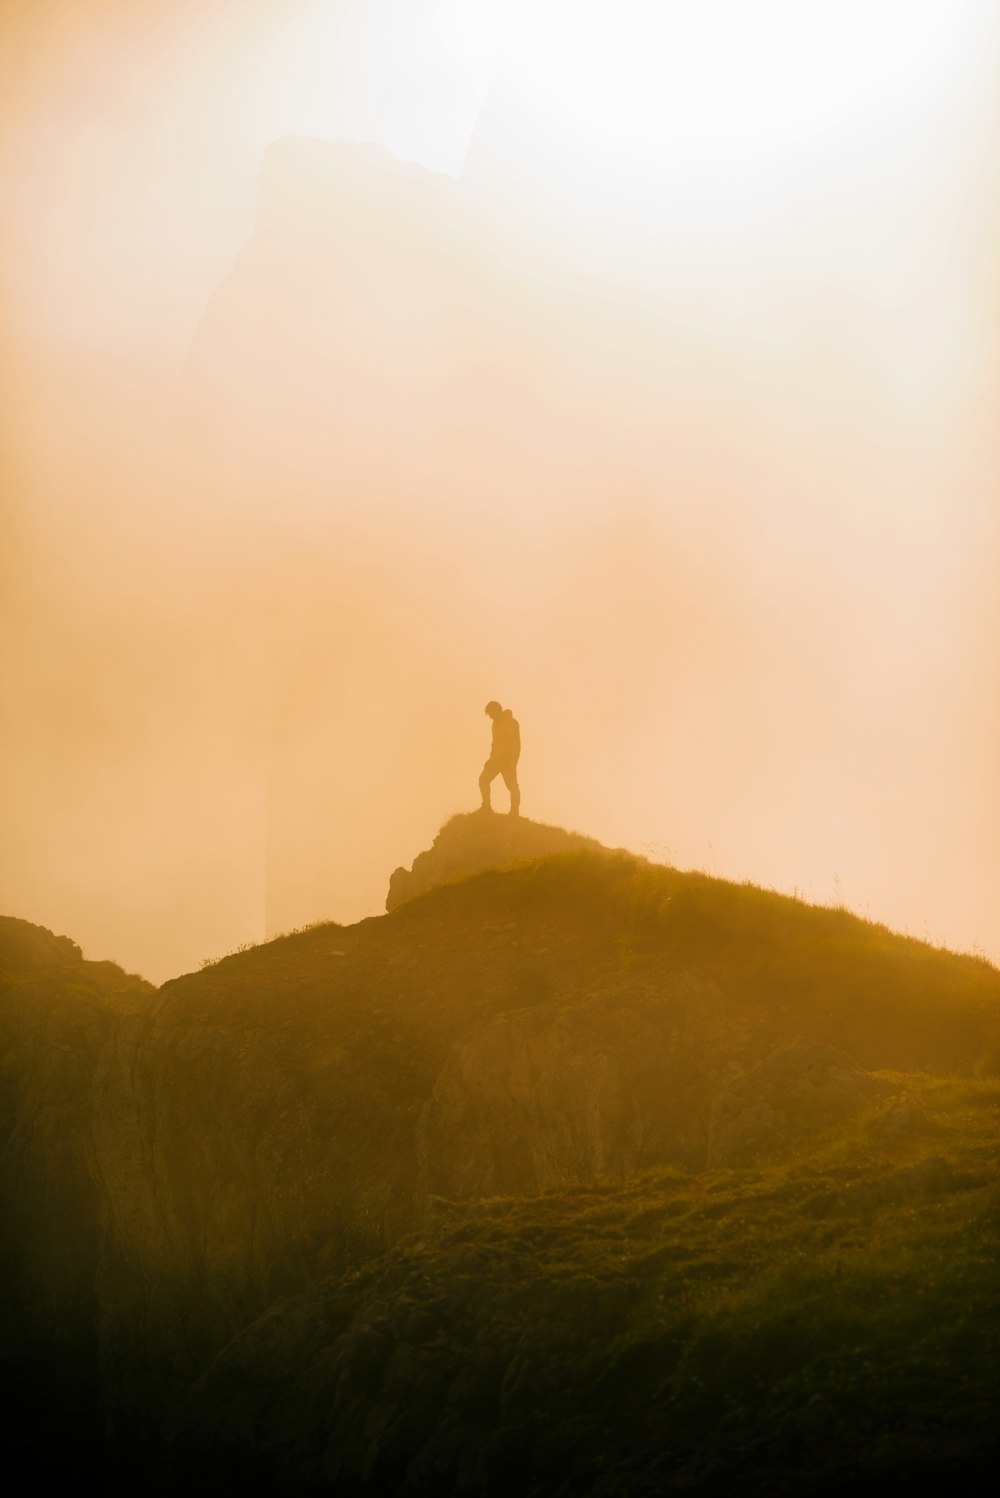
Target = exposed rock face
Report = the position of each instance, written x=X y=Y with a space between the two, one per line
x=533 y=1100
x=795 y=1092
x=473 y=842
x=559 y=1094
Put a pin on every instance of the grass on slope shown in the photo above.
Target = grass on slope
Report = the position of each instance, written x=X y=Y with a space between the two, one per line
x=889 y=999
x=578 y=925
x=833 y=1317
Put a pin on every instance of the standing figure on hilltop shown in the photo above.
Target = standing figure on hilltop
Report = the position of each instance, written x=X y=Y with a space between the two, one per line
x=504 y=754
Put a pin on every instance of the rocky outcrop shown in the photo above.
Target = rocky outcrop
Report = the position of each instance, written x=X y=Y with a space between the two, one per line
x=473 y=842
x=534 y=1100
x=561 y=1094
x=794 y=1093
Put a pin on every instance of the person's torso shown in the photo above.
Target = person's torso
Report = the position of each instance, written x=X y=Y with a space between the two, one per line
x=506 y=736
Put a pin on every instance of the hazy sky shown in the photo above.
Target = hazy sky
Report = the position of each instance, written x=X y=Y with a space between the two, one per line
x=667 y=415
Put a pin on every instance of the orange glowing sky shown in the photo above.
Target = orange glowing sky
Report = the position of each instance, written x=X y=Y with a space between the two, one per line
x=646 y=379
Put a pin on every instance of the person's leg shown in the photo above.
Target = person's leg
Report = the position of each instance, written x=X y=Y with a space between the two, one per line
x=510 y=781
x=490 y=773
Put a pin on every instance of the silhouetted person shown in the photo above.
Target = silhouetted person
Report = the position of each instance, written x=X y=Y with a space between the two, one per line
x=504 y=755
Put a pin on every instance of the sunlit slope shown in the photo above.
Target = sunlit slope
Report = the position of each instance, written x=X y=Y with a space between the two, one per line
x=832 y=1317
x=568 y=1020
x=356 y=1040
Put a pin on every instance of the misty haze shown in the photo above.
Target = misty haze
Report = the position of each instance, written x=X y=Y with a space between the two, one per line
x=632 y=371
x=702 y=478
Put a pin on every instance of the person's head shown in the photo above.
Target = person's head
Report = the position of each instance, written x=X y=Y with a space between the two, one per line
x=493 y=710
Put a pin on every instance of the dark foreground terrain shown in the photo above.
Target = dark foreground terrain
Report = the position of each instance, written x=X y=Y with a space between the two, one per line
x=576 y=1175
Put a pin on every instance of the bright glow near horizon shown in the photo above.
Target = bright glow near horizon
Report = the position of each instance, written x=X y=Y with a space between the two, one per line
x=723 y=79
x=716 y=87
x=714 y=510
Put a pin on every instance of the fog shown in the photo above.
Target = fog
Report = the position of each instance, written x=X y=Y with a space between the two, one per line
x=348 y=387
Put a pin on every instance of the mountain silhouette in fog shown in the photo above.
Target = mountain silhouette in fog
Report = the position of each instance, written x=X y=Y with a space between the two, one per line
x=331 y=327
x=374 y=297
x=483 y=1173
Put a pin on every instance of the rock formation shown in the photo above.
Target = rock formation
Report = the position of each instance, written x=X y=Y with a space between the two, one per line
x=795 y=1092
x=473 y=842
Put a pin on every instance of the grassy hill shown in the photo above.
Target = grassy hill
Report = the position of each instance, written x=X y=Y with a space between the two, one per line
x=461 y=1165
x=831 y=1318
